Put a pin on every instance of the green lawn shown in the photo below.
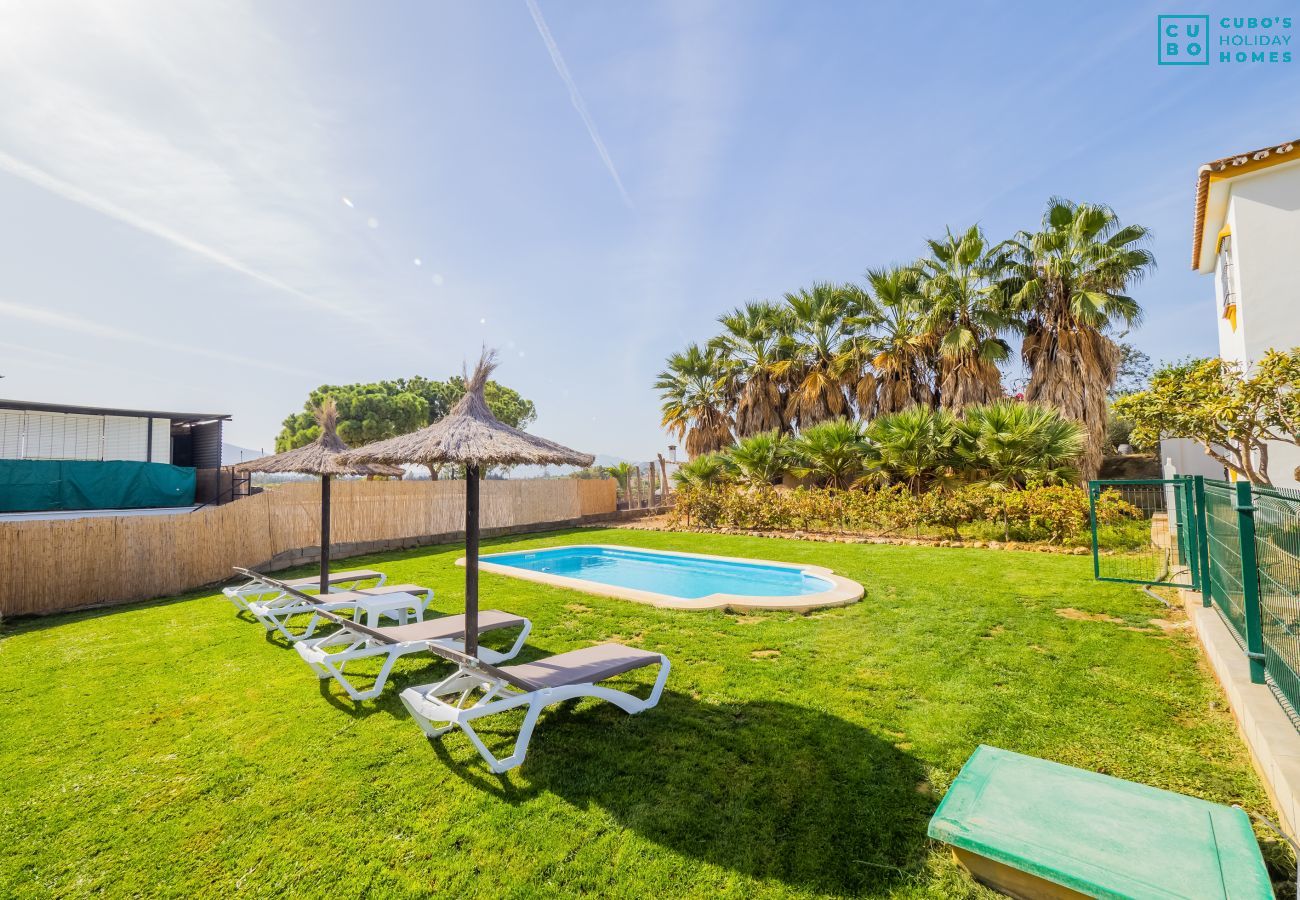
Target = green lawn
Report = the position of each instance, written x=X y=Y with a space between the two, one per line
x=171 y=748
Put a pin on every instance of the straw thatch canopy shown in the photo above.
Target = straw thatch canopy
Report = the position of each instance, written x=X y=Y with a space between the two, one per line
x=470 y=435
x=321 y=456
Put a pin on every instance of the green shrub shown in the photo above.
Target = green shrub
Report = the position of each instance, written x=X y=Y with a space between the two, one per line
x=706 y=470
x=1054 y=513
x=761 y=459
x=831 y=452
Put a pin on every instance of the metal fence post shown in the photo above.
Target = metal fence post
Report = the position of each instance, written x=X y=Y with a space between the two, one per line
x=1093 y=489
x=1187 y=544
x=1202 y=537
x=1245 y=507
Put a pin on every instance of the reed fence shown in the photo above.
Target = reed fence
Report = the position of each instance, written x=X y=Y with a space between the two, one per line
x=59 y=564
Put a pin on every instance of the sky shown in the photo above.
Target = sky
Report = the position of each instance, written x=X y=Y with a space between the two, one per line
x=215 y=207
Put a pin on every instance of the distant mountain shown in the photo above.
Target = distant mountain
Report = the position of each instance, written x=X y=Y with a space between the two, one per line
x=602 y=459
x=231 y=454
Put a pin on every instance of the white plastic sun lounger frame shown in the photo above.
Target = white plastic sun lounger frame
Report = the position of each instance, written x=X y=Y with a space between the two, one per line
x=502 y=693
x=258 y=585
x=426 y=706
x=331 y=663
x=274 y=614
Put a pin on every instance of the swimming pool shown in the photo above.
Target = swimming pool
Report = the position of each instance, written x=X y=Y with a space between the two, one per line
x=677 y=580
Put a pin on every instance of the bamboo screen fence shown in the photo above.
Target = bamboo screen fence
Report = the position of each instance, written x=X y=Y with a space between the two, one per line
x=58 y=564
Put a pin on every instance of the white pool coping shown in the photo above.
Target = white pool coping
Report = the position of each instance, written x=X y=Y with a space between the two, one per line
x=842 y=592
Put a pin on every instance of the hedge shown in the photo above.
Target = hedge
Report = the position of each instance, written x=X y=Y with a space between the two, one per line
x=1057 y=514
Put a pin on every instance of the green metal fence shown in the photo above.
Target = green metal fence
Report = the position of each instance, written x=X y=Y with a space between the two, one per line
x=1277 y=554
x=1238 y=545
x=1224 y=543
x=1162 y=509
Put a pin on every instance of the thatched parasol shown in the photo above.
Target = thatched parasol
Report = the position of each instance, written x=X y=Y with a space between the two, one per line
x=470 y=436
x=320 y=457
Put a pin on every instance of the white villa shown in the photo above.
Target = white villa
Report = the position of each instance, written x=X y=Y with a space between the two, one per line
x=1247 y=234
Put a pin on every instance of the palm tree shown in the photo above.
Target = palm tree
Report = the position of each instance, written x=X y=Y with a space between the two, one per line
x=705 y=470
x=912 y=447
x=966 y=316
x=821 y=363
x=622 y=475
x=894 y=342
x=761 y=459
x=1067 y=285
x=1010 y=444
x=831 y=452
x=694 y=395
x=751 y=344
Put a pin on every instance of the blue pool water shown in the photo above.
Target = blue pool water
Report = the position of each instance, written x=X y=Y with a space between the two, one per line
x=677 y=576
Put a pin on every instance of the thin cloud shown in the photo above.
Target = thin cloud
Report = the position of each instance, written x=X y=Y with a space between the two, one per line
x=575 y=96
x=21 y=356
x=79 y=325
x=223 y=155
x=71 y=192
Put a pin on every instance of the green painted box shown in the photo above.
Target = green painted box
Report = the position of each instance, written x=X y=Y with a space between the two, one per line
x=1034 y=828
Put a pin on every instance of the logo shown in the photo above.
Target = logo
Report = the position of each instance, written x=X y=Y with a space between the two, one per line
x=1186 y=40
x=1183 y=40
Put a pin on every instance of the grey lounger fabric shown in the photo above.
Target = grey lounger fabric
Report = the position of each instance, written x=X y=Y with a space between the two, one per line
x=313 y=581
x=586 y=666
x=451 y=627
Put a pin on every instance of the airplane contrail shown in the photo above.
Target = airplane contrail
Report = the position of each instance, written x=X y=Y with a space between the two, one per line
x=67 y=191
x=575 y=96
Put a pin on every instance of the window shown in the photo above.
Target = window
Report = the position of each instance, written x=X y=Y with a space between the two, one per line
x=1227 y=280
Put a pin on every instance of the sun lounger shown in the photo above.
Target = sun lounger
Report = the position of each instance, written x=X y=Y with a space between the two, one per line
x=403 y=603
x=536 y=685
x=329 y=655
x=437 y=708
x=258 y=587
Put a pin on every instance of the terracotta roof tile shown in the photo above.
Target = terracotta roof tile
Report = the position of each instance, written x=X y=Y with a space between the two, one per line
x=1250 y=161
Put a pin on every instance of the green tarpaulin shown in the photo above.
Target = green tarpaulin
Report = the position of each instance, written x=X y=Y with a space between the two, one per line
x=1094 y=834
x=35 y=485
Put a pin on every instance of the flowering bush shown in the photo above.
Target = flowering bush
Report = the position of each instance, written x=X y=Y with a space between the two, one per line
x=1054 y=513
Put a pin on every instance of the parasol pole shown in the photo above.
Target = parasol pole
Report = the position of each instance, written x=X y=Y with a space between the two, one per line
x=471 y=559
x=324 y=534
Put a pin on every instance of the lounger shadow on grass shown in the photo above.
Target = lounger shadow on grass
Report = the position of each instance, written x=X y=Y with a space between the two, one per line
x=770 y=789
